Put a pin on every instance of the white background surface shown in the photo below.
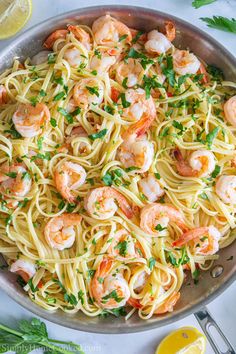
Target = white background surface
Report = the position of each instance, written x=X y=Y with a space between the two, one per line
x=223 y=309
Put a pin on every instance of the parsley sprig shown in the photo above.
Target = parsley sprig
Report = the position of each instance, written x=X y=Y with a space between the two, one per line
x=199 y=3
x=32 y=335
x=221 y=23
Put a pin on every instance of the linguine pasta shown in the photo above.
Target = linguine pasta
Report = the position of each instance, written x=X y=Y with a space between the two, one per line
x=119 y=107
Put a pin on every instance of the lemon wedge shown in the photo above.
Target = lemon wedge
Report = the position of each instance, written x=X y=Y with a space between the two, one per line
x=185 y=340
x=13 y=16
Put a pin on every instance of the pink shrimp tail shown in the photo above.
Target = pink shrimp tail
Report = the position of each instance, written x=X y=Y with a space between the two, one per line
x=202 y=70
x=189 y=236
x=140 y=127
x=105 y=266
x=170 y=30
x=134 y=303
x=182 y=167
x=50 y=40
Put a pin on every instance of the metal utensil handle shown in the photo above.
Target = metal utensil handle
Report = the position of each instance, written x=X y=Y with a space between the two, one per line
x=206 y=321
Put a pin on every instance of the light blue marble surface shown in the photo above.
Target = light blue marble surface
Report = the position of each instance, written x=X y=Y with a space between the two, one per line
x=223 y=309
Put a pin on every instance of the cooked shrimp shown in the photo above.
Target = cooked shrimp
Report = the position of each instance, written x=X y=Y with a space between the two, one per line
x=140 y=106
x=59 y=231
x=206 y=239
x=81 y=35
x=168 y=305
x=170 y=30
x=201 y=163
x=102 y=64
x=101 y=203
x=3 y=95
x=157 y=43
x=108 y=30
x=68 y=177
x=151 y=188
x=73 y=56
x=141 y=281
x=88 y=91
x=230 y=110
x=60 y=33
x=185 y=62
x=28 y=120
x=136 y=152
x=14 y=180
x=226 y=189
x=24 y=268
x=109 y=290
x=40 y=58
x=130 y=71
x=156 y=214
x=123 y=247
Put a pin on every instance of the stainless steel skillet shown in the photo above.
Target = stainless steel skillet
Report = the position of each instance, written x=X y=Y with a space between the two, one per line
x=193 y=297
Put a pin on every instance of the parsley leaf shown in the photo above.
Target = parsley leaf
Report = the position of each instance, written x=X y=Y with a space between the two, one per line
x=211 y=136
x=98 y=135
x=221 y=23
x=93 y=90
x=137 y=55
x=167 y=70
x=53 y=122
x=123 y=37
x=159 y=227
x=125 y=103
x=67 y=115
x=59 y=96
x=199 y=3
x=122 y=247
x=112 y=295
x=216 y=171
x=32 y=287
x=151 y=263
x=109 y=109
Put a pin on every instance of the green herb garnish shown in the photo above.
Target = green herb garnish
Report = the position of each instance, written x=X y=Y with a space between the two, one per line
x=33 y=335
x=221 y=23
x=98 y=135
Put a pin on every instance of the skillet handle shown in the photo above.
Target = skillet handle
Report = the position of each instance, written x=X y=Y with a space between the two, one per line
x=215 y=336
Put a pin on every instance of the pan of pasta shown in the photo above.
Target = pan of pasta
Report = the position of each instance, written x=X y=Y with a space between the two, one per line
x=117 y=169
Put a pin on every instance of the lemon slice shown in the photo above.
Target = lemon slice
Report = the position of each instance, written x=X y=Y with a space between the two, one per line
x=13 y=16
x=185 y=340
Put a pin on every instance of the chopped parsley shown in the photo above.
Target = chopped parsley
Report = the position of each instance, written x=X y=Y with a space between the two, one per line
x=53 y=122
x=93 y=90
x=32 y=287
x=112 y=295
x=216 y=171
x=167 y=70
x=59 y=96
x=159 y=227
x=151 y=263
x=123 y=37
x=109 y=109
x=184 y=259
x=98 y=135
x=125 y=103
x=67 y=115
x=122 y=247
